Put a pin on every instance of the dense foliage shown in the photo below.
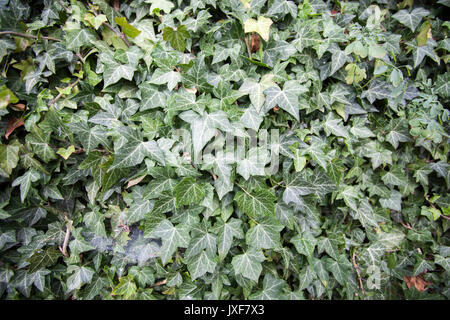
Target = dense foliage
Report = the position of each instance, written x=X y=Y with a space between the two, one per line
x=101 y=196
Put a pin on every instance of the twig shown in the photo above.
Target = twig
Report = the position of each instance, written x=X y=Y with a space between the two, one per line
x=427 y=197
x=80 y=57
x=80 y=150
x=248 y=47
x=60 y=94
x=245 y=191
x=66 y=239
x=276 y=185
x=116 y=5
x=390 y=251
x=63 y=6
x=160 y=283
x=407 y=226
x=26 y=35
x=368 y=82
x=357 y=273
x=119 y=34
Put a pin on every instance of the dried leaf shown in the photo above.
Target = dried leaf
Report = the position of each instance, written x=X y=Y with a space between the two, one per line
x=13 y=124
x=134 y=182
x=417 y=281
x=20 y=106
x=255 y=43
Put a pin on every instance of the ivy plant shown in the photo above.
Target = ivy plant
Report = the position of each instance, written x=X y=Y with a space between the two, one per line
x=233 y=149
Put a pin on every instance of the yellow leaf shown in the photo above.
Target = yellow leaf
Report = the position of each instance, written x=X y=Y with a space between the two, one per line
x=424 y=34
x=65 y=153
x=262 y=26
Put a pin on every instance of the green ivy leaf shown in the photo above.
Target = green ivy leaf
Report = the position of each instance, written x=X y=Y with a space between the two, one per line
x=259 y=202
x=177 y=37
x=340 y=268
x=188 y=192
x=265 y=234
x=248 y=264
x=38 y=141
x=226 y=232
x=272 y=289
x=25 y=182
x=77 y=38
x=411 y=19
x=127 y=28
x=304 y=243
x=43 y=258
x=126 y=288
x=201 y=264
x=9 y=158
x=65 y=153
x=286 y=99
x=115 y=71
x=163 y=5
x=172 y=238
x=7 y=97
x=79 y=277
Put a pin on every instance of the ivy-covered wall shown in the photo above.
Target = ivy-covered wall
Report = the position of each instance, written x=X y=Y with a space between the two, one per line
x=233 y=149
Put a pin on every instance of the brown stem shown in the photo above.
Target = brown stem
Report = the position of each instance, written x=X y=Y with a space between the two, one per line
x=66 y=239
x=63 y=6
x=80 y=57
x=434 y=207
x=60 y=94
x=80 y=150
x=248 y=47
x=357 y=273
x=160 y=283
x=26 y=35
x=119 y=34
x=407 y=226
x=116 y=5
x=276 y=185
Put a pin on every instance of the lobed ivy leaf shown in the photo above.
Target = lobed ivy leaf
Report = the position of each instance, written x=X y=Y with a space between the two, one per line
x=259 y=202
x=177 y=37
x=248 y=264
x=411 y=19
x=43 y=258
x=260 y=26
x=172 y=238
x=224 y=150
x=188 y=192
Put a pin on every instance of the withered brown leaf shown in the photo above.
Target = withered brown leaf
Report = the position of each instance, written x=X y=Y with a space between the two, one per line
x=255 y=43
x=13 y=124
x=417 y=281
